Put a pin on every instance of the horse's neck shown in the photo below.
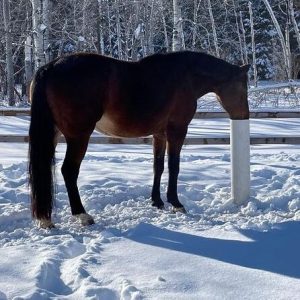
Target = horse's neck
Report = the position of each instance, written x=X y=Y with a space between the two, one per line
x=204 y=87
x=199 y=85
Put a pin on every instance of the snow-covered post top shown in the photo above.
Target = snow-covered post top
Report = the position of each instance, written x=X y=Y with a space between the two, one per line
x=240 y=160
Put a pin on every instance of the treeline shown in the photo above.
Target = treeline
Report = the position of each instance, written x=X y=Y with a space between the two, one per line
x=261 y=32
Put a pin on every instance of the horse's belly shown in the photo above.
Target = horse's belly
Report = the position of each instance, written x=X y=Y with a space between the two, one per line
x=106 y=126
x=118 y=128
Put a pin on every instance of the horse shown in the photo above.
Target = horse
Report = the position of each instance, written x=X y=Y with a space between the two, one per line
x=157 y=95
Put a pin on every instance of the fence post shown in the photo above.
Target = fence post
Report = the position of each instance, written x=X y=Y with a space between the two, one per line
x=240 y=160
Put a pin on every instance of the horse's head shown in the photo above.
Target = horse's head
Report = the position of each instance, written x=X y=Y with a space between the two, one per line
x=232 y=94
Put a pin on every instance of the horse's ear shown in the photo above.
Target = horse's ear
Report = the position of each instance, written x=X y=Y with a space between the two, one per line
x=245 y=68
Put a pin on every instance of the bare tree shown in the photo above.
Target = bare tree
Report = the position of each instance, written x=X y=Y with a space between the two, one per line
x=213 y=26
x=28 y=63
x=131 y=29
x=253 y=44
x=238 y=31
x=293 y=19
x=243 y=36
x=9 y=54
x=165 y=30
x=100 y=21
x=38 y=32
x=118 y=27
x=177 y=27
x=195 y=15
x=284 y=43
x=46 y=13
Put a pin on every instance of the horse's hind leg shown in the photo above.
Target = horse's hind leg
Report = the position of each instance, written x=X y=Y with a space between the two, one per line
x=76 y=148
x=175 y=138
x=159 y=149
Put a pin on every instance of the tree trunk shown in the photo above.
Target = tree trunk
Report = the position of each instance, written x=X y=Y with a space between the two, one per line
x=244 y=38
x=282 y=40
x=136 y=34
x=295 y=25
x=195 y=16
x=142 y=33
x=151 y=29
x=46 y=9
x=164 y=26
x=28 y=63
x=288 y=50
x=100 y=27
x=213 y=25
x=109 y=29
x=177 y=36
x=238 y=32
x=118 y=25
x=253 y=45
x=38 y=28
x=9 y=54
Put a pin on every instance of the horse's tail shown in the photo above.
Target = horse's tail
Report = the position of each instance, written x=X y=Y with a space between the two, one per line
x=41 y=149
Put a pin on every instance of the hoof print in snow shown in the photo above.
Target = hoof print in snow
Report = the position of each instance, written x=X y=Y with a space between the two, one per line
x=129 y=292
x=161 y=279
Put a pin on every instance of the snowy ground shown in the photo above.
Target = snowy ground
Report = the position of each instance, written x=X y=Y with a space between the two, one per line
x=216 y=251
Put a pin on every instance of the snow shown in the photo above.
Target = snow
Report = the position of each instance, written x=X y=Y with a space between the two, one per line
x=216 y=251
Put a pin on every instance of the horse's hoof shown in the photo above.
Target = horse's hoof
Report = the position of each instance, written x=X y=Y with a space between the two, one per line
x=160 y=206
x=45 y=224
x=178 y=209
x=85 y=219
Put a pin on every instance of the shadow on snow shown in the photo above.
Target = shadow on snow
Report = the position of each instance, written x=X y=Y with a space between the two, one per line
x=276 y=251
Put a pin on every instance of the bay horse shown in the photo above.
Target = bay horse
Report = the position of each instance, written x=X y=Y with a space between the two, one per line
x=75 y=94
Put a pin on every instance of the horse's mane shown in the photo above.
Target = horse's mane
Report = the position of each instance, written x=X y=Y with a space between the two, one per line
x=205 y=64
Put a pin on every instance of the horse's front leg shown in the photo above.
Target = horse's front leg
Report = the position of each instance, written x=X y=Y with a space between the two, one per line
x=175 y=138
x=76 y=148
x=159 y=149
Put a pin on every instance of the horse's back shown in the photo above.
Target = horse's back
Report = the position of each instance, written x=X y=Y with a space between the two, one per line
x=144 y=98
x=119 y=98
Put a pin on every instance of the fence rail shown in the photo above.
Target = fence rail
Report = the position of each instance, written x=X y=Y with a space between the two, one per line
x=148 y=140
x=19 y=138
x=255 y=114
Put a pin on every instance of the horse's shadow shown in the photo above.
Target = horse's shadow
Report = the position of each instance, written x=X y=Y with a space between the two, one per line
x=276 y=251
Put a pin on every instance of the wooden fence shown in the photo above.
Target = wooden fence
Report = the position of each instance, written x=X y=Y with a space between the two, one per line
x=17 y=138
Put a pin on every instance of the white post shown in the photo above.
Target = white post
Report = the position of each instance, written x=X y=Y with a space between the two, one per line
x=240 y=160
